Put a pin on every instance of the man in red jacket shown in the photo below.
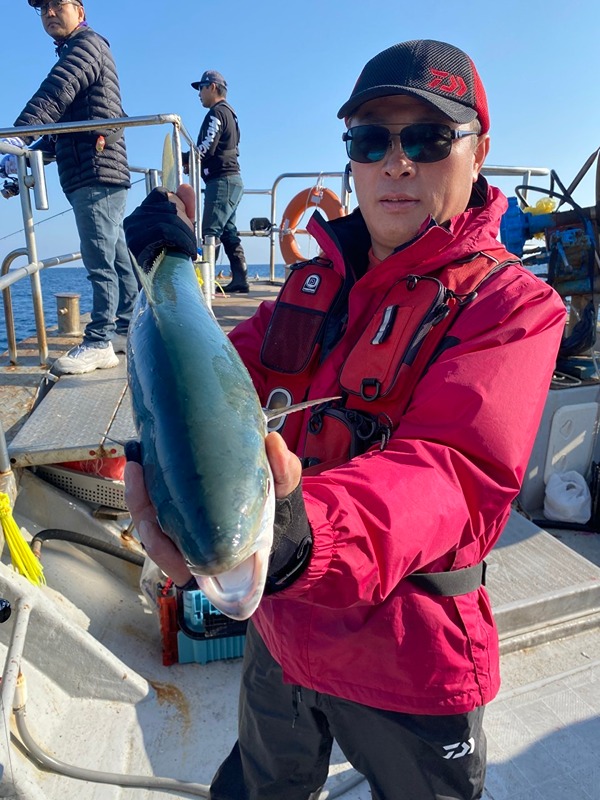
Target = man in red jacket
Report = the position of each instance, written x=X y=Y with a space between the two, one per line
x=375 y=629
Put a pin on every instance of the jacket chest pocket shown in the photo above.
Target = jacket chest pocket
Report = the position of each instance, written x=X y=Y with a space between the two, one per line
x=400 y=335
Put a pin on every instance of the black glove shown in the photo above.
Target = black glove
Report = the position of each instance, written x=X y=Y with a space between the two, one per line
x=155 y=225
x=292 y=542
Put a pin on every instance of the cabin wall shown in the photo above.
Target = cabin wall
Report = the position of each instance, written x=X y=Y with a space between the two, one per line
x=567 y=439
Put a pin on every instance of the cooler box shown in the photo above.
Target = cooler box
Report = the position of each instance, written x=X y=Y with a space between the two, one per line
x=205 y=634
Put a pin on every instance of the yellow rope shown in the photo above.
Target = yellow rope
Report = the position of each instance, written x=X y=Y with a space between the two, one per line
x=23 y=560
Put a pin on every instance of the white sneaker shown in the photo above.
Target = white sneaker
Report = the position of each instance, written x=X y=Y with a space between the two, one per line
x=85 y=358
x=119 y=343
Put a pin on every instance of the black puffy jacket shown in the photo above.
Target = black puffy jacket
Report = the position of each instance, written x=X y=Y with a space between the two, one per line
x=82 y=85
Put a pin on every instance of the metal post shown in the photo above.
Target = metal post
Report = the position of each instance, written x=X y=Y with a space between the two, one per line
x=208 y=255
x=67 y=312
x=36 y=286
x=152 y=180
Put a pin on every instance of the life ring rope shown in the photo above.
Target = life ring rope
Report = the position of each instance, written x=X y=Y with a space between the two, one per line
x=315 y=196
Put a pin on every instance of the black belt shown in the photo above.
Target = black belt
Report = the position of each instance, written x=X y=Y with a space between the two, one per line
x=452 y=583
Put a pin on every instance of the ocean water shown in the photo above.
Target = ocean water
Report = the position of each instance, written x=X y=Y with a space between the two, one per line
x=57 y=280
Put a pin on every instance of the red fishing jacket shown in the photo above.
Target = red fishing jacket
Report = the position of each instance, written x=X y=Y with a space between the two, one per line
x=437 y=495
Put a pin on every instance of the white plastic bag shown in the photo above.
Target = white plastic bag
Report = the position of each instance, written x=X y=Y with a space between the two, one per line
x=567 y=498
x=152 y=576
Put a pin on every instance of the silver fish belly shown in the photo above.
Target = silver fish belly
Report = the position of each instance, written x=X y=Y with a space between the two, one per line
x=201 y=430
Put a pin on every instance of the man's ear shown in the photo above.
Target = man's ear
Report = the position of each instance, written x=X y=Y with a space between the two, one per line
x=482 y=149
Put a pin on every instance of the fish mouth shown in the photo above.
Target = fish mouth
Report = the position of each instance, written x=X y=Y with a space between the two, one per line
x=237 y=592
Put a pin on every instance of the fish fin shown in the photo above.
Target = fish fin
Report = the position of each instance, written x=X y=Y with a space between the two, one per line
x=275 y=413
x=146 y=276
x=169 y=173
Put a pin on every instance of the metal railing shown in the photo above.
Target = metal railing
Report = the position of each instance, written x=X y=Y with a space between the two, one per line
x=34 y=180
x=275 y=230
x=31 y=179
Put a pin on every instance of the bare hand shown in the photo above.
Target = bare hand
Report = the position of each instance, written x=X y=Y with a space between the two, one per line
x=185 y=200
x=158 y=546
x=287 y=472
x=285 y=465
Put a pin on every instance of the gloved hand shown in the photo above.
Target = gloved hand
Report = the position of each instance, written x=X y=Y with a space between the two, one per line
x=160 y=222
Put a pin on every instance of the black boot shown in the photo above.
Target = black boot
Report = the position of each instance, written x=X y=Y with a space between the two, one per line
x=239 y=271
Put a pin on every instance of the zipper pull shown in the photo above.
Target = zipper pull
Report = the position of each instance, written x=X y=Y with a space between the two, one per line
x=387 y=324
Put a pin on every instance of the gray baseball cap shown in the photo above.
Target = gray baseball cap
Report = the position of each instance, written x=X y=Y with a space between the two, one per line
x=208 y=77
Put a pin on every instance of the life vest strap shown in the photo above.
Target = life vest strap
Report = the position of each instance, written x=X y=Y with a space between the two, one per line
x=452 y=583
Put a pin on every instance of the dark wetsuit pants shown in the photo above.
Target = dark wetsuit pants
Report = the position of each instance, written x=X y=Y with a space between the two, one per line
x=286 y=734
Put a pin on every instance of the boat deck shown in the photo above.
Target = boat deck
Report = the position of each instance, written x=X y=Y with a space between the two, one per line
x=545 y=588
x=99 y=419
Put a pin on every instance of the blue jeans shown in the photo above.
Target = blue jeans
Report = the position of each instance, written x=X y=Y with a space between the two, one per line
x=99 y=212
x=221 y=198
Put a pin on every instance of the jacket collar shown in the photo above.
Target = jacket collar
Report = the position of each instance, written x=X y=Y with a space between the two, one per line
x=60 y=43
x=346 y=240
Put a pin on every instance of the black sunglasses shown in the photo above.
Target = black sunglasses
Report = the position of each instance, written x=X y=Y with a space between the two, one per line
x=423 y=142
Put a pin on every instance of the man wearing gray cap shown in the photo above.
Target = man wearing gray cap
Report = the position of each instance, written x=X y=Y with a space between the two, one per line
x=375 y=628
x=218 y=142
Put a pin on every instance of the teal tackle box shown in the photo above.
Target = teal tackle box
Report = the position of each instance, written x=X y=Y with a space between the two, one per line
x=205 y=634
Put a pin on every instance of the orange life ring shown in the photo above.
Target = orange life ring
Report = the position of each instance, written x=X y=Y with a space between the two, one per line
x=318 y=196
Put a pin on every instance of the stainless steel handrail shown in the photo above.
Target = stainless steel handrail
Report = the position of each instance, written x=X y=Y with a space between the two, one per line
x=525 y=173
x=344 y=199
x=34 y=265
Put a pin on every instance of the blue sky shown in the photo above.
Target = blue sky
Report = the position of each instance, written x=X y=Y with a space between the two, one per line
x=290 y=67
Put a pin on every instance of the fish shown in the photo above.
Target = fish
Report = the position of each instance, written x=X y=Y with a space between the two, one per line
x=201 y=431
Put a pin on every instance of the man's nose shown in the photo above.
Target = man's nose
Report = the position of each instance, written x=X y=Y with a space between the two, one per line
x=395 y=158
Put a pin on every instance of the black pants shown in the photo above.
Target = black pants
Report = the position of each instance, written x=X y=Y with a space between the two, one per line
x=286 y=734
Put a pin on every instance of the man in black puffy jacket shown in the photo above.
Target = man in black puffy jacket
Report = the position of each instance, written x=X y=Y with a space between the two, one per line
x=93 y=172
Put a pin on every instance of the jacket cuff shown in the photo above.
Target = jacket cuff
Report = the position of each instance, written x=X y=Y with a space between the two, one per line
x=292 y=542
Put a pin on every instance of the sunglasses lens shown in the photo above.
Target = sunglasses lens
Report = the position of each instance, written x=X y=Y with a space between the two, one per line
x=367 y=143
x=425 y=143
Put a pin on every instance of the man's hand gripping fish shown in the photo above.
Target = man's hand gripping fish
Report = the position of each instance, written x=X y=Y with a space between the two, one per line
x=201 y=430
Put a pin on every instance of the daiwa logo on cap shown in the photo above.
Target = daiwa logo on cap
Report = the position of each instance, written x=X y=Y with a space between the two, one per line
x=455 y=85
x=311 y=284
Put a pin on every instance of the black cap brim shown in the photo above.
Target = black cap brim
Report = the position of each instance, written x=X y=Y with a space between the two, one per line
x=456 y=112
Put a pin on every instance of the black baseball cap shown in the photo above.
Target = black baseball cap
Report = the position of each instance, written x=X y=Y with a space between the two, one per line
x=208 y=77
x=434 y=71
